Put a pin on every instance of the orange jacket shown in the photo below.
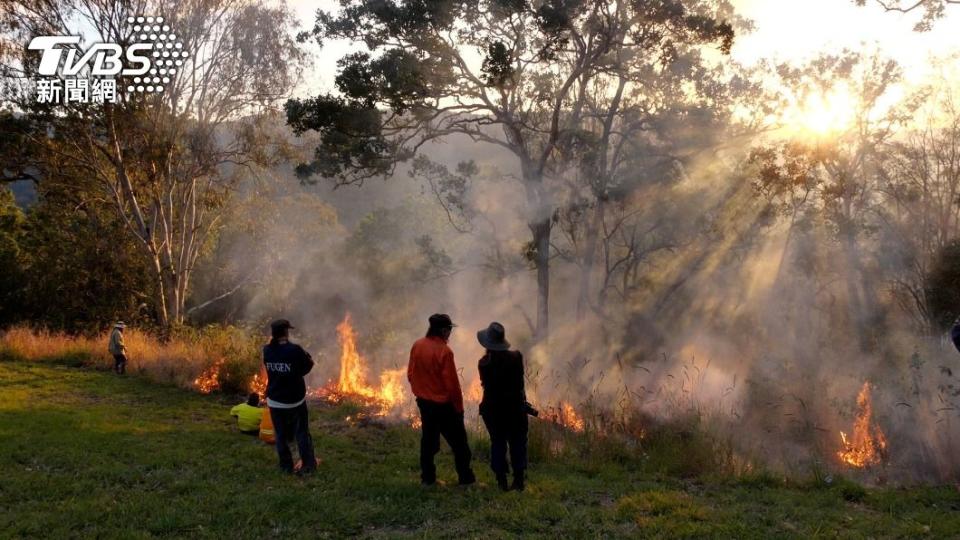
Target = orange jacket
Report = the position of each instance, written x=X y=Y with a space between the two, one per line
x=432 y=373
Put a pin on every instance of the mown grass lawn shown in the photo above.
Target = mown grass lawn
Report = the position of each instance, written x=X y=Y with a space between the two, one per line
x=87 y=454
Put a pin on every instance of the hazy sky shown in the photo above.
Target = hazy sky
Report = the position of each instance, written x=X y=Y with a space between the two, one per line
x=785 y=30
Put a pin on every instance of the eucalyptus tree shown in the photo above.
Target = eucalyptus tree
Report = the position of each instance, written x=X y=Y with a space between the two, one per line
x=524 y=76
x=932 y=10
x=168 y=159
x=836 y=175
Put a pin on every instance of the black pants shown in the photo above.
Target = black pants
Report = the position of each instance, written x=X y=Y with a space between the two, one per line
x=507 y=430
x=443 y=419
x=120 y=363
x=293 y=424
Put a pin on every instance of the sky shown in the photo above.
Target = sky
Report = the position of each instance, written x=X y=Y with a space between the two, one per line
x=786 y=30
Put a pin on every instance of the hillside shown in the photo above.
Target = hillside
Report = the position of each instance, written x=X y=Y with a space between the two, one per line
x=87 y=454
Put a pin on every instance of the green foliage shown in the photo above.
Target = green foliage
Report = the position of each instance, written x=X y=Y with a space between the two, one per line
x=82 y=268
x=412 y=84
x=11 y=257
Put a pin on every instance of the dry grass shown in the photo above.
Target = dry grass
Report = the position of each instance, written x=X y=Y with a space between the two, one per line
x=179 y=360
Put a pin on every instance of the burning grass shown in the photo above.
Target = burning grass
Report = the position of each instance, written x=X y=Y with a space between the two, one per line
x=691 y=440
x=389 y=399
x=205 y=360
x=868 y=445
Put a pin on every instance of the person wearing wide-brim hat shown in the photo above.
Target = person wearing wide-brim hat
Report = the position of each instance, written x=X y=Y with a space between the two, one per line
x=118 y=349
x=503 y=407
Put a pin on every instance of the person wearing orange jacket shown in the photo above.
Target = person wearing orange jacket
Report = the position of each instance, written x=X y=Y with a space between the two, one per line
x=433 y=379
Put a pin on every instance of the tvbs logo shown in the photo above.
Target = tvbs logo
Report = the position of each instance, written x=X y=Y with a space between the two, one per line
x=147 y=64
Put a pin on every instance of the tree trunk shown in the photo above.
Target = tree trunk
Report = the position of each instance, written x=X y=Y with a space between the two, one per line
x=589 y=254
x=541 y=241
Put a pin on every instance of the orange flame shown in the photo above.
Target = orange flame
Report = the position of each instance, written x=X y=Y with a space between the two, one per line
x=209 y=379
x=474 y=391
x=566 y=416
x=258 y=385
x=353 y=372
x=868 y=445
x=352 y=381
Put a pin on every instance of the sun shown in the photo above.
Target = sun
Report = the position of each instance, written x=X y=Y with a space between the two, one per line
x=821 y=114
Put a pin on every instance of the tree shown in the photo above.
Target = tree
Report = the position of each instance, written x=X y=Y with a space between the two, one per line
x=509 y=73
x=11 y=259
x=82 y=269
x=836 y=175
x=933 y=10
x=166 y=160
x=921 y=181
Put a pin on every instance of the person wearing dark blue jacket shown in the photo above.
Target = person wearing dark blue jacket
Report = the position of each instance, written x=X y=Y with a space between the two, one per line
x=286 y=365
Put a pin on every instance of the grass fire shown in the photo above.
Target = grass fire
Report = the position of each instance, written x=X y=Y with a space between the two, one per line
x=867 y=445
x=497 y=268
x=352 y=381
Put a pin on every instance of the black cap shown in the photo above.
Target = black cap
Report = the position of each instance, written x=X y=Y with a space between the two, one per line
x=441 y=320
x=280 y=324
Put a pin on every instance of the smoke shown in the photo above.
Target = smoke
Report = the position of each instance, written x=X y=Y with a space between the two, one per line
x=719 y=311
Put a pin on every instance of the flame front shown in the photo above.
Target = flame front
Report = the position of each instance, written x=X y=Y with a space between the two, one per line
x=352 y=381
x=566 y=416
x=868 y=444
x=353 y=372
x=209 y=380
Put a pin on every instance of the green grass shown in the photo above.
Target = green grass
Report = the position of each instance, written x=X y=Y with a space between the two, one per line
x=87 y=454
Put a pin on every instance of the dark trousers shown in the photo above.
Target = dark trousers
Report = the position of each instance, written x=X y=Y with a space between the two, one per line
x=293 y=424
x=443 y=419
x=120 y=363
x=507 y=430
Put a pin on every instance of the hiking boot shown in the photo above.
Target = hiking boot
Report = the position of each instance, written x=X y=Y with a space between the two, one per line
x=468 y=479
x=502 y=482
x=518 y=481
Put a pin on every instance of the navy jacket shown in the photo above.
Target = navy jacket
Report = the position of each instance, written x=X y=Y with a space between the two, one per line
x=286 y=364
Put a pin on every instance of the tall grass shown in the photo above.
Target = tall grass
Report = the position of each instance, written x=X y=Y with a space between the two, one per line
x=178 y=360
x=683 y=446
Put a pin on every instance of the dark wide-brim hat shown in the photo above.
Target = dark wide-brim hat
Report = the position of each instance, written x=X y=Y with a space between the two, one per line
x=494 y=337
x=441 y=320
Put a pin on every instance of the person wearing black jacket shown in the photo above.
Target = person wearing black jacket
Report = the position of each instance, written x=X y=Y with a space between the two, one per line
x=503 y=407
x=286 y=364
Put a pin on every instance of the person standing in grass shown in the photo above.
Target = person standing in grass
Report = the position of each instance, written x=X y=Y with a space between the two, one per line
x=118 y=349
x=504 y=405
x=286 y=365
x=248 y=415
x=433 y=379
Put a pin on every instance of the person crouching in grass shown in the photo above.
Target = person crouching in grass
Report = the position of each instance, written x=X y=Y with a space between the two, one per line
x=286 y=365
x=248 y=415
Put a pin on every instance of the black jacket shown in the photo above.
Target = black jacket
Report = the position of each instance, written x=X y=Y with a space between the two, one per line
x=286 y=364
x=501 y=374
